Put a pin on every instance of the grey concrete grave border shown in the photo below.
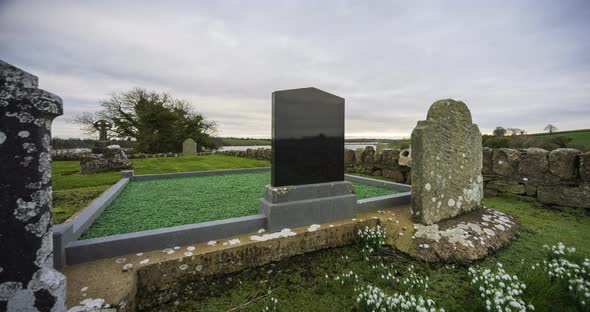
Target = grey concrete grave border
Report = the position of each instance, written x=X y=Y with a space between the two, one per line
x=68 y=249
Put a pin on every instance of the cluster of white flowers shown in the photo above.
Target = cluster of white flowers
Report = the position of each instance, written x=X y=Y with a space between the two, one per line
x=371 y=239
x=499 y=290
x=413 y=281
x=373 y=299
x=558 y=266
x=272 y=305
x=343 y=278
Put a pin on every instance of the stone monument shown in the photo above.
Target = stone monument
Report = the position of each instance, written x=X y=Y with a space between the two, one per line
x=307 y=160
x=189 y=147
x=104 y=157
x=446 y=163
x=28 y=281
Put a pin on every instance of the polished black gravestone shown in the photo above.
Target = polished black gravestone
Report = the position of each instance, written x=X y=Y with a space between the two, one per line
x=307 y=161
x=307 y=137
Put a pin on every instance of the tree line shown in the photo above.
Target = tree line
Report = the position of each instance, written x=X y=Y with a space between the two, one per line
x=154 y=122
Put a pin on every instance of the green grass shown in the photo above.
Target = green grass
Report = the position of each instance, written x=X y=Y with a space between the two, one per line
x=579 y=137
x=73 y=191
x=300 y=284
x=147 y=205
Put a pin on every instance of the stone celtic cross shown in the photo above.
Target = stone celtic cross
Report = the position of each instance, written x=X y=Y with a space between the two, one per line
x=102 y=126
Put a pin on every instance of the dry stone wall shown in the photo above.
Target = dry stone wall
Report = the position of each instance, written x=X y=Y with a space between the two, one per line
x=557 y=178
x=560 y=177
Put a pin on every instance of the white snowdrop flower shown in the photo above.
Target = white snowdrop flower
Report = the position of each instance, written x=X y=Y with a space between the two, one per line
x=190 y=248
x=144 y=261
x=127 y=267
x=212 y=243
x=120 y=260
x=176 y=247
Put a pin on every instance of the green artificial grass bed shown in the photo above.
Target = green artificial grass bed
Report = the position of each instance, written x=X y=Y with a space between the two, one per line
x=154 y=204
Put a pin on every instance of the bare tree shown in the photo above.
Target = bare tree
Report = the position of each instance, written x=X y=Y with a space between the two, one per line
x=551 y=128
x=521 y=131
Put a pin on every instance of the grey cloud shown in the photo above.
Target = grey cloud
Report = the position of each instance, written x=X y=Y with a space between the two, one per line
x=519 y=63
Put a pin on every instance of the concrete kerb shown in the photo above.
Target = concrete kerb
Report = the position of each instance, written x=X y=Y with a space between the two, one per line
x=118 y=245
x=64 y=234
x=197 y=173
x=67 y=248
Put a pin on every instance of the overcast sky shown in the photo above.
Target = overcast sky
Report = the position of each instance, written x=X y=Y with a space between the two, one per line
x=515 y=63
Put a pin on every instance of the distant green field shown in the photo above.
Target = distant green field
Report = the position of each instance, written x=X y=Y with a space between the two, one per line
x=580 y=137
x=244 y=142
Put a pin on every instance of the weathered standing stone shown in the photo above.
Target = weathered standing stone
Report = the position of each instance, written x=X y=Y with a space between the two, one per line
x=394 y=175
x=585 y=166
x=28 y=281
x=358 y=155
x=446 y=163
x=189 y=147
x=534 y=163
x=390 y=157
x=563 y=163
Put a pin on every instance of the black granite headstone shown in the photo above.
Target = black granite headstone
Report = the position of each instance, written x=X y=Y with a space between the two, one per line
x=307 y=137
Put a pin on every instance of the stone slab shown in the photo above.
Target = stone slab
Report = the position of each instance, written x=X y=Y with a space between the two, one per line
x=446 y=163
x=307 y=137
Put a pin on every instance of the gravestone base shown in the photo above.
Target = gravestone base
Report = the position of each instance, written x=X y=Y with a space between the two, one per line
x=112 y=158
x=301 y=205
x=100 y=147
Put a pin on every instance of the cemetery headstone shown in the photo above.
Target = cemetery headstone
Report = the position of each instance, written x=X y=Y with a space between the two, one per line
x=446 y=163
x=307 y=137
x=102 y=126
x=28 y=281
x=307 y=160
x=189 y=147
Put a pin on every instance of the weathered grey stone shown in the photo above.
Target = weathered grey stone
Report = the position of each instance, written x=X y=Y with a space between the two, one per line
x=446 y=163
x=28 y=281
x=505 y=161
x=506 y=186
x=390 y=157
x=394 y=175
x=368 y=155
x=358 y=155
x=585 y=166
x=349 y=157
x=531 y=190
x=113 y=159
x=568 y=196
x=189 y=147
x=534 y=163
x=563 y=163
x=487 y=160
x=405 y=157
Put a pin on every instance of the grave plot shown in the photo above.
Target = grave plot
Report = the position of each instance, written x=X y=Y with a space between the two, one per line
x=160 y=203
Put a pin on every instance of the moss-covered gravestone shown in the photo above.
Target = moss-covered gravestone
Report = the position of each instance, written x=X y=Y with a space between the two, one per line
x=189 y=147
x=28 y=281
x=446 y=163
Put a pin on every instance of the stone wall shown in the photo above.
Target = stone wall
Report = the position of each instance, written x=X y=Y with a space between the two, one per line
x=560 y=177
x=254 y=153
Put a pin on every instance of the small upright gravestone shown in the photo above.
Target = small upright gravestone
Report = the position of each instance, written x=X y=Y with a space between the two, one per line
x=446 y=163
x=307 y=160
x=189 y=147
x=28 y=281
